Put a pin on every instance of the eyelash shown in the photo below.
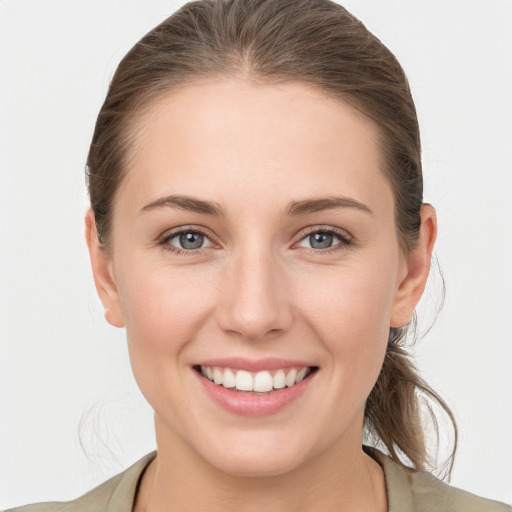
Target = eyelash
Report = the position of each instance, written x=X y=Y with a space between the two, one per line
x=344 y=241
x=163 y=241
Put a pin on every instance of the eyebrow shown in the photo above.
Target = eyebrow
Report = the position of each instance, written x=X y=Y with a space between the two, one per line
x=295 y=208
x=308 y=206
x=186 y=203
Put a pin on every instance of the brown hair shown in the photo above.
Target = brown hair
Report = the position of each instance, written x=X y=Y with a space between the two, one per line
x=316 y=42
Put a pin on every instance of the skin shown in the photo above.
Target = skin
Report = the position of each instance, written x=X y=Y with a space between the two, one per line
x=258 y=289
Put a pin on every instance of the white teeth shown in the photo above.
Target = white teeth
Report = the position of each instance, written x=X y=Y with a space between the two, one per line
x=290 y=378
x=301 y=374
x=217 y=376
x=261 y=382
x=244 y=381
x=279 y=379
x=229 y=379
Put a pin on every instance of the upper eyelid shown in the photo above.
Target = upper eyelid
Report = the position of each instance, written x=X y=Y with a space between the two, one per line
x=172 y=232
x=325 y=229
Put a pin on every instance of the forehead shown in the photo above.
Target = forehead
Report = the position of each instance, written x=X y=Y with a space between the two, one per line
x=254 y=140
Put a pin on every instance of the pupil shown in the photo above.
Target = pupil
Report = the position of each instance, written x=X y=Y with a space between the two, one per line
x=191 y=240
x=320 y=240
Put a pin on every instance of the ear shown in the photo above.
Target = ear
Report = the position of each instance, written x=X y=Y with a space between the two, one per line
x=417 y=269
x=102 y=270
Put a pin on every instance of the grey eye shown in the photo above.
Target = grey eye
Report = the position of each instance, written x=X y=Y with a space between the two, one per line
x=324 y=239
x=191 y=240
x=188 y=240
x=321 y=240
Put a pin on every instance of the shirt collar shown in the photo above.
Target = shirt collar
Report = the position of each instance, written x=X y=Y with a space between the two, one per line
x=398 y=484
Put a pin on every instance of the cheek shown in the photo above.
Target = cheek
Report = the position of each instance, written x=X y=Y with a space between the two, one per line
x=349 y=298
x=163 y=310
x=350 y=313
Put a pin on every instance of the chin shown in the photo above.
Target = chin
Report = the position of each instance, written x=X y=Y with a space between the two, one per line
x=258 y=459
x=246 y=466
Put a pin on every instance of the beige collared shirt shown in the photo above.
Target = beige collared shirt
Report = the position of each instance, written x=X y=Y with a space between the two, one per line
x=408 y=491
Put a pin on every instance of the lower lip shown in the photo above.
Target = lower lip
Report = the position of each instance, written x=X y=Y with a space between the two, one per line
x=254 y=405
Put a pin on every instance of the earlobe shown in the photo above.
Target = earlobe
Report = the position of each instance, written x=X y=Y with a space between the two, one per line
x=418 y=266
x=101 y=264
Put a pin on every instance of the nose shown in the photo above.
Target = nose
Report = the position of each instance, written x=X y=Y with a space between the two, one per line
x=254 y=301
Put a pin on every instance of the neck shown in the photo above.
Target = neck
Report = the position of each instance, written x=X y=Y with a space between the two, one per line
x=343 y=478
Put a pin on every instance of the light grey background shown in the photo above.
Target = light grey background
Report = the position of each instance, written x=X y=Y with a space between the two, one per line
x=64 y=370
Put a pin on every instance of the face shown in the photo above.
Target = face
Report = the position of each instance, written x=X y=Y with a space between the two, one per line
x=253 y=240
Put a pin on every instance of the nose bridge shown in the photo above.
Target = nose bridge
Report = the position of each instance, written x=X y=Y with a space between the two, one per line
x=254 y=302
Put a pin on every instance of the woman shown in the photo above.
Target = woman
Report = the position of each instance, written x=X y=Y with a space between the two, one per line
x=257 y=225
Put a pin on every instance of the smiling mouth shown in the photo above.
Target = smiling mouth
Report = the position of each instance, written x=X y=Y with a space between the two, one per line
x=257 y=383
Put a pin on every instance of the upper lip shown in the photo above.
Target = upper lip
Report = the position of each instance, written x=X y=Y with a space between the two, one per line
x=254 y=365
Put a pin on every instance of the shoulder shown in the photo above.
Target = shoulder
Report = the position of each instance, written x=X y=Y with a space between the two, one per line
x=418 y=491
x=114 y=495
x=431 y=493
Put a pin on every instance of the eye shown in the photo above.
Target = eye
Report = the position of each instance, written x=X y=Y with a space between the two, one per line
x=324 y=239
x=186 y=240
